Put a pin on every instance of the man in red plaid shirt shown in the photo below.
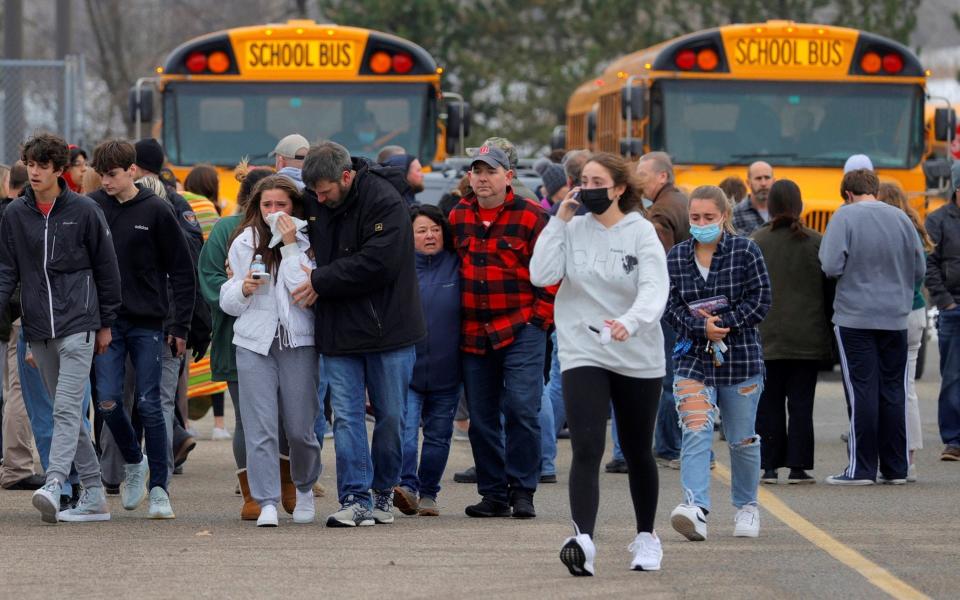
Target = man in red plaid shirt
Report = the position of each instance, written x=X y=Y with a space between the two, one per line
x=505 y=319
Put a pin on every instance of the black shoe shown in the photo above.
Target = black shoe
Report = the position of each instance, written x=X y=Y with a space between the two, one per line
x=616 y=466
x=33 y=482
x=185 y=448
x=799 y=476
x=770 y=476
x=111 y=489
x=551 y=478
x=468 y=476
x=563 y=434
x=68 y=502
x=522 y=503
x=487 y=508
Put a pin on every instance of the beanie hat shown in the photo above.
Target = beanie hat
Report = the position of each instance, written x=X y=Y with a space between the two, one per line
x=540 y=165
x=857 y=161
x=149 y=155
x=553 y=179
x=401 y=161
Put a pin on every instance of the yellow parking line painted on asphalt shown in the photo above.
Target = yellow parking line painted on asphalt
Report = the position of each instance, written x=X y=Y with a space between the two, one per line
x=874 y=573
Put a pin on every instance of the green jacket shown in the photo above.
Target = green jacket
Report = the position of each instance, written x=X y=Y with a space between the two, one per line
x=212 y=275
x=798 y=324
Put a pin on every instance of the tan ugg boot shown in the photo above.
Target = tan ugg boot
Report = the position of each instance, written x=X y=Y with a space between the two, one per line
x=250 y=510
x=288 y=491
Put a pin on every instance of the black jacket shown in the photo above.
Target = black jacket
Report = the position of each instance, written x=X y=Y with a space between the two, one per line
x=943 y=264
x=365 y=276
x=65 y=264
x=150 y=247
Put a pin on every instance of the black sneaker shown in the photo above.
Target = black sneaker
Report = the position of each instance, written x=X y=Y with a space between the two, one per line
x=563 y=434
x=770 y=476
x=522 y=504
x=68 y=502
x=616 y=466
x=487 y=508
x=548 y=478
x=31 y=482
x=111 y=489
x=468 y=476
x=799 y=476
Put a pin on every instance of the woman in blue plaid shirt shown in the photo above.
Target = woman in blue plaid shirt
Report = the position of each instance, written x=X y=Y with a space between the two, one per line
x=719 y=293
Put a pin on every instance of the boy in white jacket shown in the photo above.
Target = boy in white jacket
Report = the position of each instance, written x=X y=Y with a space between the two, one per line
x=277 y=362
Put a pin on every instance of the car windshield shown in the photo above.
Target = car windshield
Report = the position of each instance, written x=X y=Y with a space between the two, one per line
x=787 y=123
x=219 y=123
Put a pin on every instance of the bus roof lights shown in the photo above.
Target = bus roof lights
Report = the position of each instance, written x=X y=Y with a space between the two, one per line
x=218 y=62
x=892 y=63
x=707 y=59
x=402 y=63
x=380 y=63
x=871 y=63
x=196 y=62
x=686 y=59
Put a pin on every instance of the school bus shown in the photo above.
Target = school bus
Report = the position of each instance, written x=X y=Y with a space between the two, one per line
x=802 y=97
x=235 y=93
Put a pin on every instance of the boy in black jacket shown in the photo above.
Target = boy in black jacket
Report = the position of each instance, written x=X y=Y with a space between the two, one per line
x=150 y=248
x=56 y=245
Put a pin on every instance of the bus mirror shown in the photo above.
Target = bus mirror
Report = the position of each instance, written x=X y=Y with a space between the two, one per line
x=458 y=116
x=592 y=126
x=631 y=101
x=944 y=124
x=140 y=104
x=558 y=139
x=631 y=147
x=936 y=170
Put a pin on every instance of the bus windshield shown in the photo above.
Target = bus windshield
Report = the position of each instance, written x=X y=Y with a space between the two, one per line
x=786 y=122
x=219 y=123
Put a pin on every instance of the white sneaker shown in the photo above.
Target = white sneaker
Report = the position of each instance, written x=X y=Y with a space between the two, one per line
x=306 y=509
x=690 y=522
x=268 y=516
x=219 y=433
x=578 y=553
x=647 y=552
x=160 y=504
x=747 y=522
x=133 y=489
x=47 y=501
x=912 y=473
x=92 y=507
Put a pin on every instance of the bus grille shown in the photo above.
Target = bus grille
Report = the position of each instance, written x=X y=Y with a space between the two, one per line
x=818 y=219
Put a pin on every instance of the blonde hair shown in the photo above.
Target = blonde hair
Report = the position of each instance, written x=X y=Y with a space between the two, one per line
x=712 y=192
x=90 y=183
x=153 y=183
x=893 y=194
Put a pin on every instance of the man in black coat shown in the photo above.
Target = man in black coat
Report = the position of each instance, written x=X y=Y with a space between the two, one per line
x=56 y=244
x=151 y=248
x=368 y=319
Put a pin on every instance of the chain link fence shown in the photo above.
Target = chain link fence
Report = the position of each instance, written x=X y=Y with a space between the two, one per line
x=40 y=95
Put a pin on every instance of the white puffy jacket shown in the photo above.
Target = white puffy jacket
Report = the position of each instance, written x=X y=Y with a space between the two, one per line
x=259 y=314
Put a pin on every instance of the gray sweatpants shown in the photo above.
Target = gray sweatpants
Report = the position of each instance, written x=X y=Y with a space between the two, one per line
x=64 y=365
x=239 y=441
x=279 y=387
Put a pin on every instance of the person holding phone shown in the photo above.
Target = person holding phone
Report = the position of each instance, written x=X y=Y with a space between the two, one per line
x=719 y=293
x=613 y=286
x=277 y=362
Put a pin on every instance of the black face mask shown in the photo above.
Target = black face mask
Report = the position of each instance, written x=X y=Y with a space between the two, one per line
x=596 y=200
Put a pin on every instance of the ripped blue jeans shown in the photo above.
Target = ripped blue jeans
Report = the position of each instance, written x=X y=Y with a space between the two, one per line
x=696 y=405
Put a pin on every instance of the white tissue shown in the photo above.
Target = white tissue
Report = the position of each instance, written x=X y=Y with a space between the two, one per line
x=272 y=218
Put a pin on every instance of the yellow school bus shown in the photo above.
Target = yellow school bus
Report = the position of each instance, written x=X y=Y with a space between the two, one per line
x=235 y=93
x=801 y=97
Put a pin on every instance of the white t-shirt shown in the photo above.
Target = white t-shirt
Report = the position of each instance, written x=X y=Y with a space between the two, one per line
x=704 y=271
x=618 y=273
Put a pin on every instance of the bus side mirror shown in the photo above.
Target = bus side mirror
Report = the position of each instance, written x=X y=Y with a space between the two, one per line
x=140 y=108
x=631 y=97
x=558 y=139
x=944 y=124
x=458 y=115
x=631 y=147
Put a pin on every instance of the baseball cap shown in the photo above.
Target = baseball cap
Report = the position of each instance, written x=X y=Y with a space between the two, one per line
x=857 y=161
x=290 y=145
x=493 y=156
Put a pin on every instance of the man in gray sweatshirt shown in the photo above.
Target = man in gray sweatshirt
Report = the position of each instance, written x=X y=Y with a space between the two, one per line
x=875 y=253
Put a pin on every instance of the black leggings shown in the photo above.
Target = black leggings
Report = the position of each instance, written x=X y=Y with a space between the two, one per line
x=587 y=392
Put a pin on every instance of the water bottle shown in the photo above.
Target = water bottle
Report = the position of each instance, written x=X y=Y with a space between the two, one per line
x=259 y=271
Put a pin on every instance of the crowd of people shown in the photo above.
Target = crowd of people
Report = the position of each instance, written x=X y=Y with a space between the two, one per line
x=333 y=294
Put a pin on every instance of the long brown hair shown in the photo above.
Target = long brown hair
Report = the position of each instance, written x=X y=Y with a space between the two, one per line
x=203 y=180
x=785 y=204
x=892 y=194
x=622 y=174
x=253 y=218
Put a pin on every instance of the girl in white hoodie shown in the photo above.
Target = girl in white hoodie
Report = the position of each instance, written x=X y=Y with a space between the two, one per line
x=613 y=288
x=277 y=363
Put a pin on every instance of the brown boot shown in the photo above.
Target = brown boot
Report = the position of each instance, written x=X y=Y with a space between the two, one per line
x=250 y=510
x=288 y=491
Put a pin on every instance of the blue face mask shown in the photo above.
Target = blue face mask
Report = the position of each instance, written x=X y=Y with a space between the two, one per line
x=366 y=137
x=705 y=234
